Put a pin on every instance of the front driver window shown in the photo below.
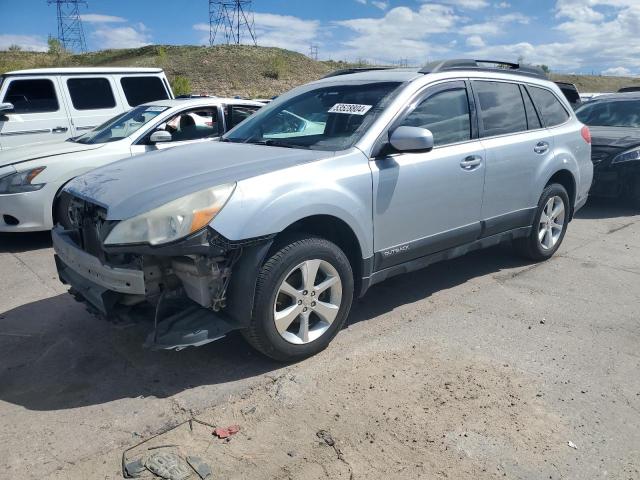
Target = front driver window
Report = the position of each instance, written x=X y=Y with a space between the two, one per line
x=193 y=125
x=446 y=114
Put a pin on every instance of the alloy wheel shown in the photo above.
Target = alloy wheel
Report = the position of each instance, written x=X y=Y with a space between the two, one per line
x=551 y=223
x=307 y=301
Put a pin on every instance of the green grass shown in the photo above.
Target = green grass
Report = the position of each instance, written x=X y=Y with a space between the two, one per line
x=228 y=70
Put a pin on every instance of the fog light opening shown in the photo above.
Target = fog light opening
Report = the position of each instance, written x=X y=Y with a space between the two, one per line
x=10 y=220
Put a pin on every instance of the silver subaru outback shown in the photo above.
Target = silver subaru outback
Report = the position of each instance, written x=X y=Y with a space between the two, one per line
x=335 y=186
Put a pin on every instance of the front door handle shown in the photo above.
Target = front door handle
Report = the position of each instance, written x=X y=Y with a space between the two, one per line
x=471 y=162
x=541 y=147
x=59 y=129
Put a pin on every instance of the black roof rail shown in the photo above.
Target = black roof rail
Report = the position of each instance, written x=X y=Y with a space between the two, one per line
x=468 y=64
x=348 y=71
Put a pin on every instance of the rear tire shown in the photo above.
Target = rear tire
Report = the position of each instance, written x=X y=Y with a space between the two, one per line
x=296 y=316
x=549 y=225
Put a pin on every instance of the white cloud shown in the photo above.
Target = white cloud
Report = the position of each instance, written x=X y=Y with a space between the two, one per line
x=31 y=43
x=362 y=2
x=122 y=37
x=503 y=5
x=467 y=4
x=617 y=72
x=400 y=33
x=380 y=4
x=495 y=25
x=475 y=41
x=99 y=18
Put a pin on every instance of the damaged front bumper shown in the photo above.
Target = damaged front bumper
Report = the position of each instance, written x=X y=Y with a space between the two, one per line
x=182 y=296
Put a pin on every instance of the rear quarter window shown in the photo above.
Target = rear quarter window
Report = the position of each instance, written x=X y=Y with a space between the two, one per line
x=552 y=111
x=139 y=90
x=32 y=96
x=91 y=93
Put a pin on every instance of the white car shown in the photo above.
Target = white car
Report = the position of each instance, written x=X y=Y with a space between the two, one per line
x=31 y=176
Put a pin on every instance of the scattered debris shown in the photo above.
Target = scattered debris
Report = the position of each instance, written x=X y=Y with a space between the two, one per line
x=202 y=469
x=168 y=465
x=572 y=445
x=326 y=437
x=221 y=432
x=135 y=469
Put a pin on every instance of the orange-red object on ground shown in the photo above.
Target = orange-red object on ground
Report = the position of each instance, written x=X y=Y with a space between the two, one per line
x=221 y=432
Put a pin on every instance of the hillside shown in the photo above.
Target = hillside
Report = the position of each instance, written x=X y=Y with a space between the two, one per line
x=236 y=70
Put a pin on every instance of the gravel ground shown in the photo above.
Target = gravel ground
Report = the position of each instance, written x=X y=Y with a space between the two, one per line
x=481 y=367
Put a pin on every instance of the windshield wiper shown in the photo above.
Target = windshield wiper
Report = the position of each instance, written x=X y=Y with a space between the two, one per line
x=276 y=143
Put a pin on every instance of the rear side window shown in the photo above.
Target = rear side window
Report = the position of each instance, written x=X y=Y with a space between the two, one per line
x=533 y=122
x=553 y=113
x=91 y=93
x=235 y=114
x=501 y=109
x=446 y=114
x=139 y=90
x=32 y=96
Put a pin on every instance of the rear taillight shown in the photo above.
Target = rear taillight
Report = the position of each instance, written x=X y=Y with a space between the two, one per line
x=586 y=134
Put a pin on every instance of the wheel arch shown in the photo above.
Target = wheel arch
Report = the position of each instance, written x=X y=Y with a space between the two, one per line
x=565 y=178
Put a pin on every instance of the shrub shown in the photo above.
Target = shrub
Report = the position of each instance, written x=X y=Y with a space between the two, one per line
x=276 y=69
x=180 y=85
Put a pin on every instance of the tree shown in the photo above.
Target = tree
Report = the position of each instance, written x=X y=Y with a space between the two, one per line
x=15 y=48
x=545 y=68
x=55 y=46
x=181 y=86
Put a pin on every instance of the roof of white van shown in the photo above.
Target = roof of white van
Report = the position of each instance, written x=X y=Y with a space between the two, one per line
x=83 y=71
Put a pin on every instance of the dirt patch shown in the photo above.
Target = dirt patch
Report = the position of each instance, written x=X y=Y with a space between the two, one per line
x=422 y=416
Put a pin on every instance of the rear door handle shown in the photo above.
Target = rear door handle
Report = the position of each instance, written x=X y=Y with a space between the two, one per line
x=471 y=162
x=59 y=129
x=541 y=147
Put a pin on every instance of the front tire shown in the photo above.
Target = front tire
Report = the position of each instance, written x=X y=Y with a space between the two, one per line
x=549 y=225
x=303 y=296
x=61 y=212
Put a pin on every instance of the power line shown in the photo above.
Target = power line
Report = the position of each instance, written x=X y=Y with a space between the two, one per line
x=233 y=19
x=70 y=31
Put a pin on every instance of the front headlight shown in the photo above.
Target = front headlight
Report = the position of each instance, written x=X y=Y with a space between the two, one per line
x=172 y=221
x=20 y=182
x=628 y=156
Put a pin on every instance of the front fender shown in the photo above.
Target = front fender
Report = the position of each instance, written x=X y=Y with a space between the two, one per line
x=339 y=186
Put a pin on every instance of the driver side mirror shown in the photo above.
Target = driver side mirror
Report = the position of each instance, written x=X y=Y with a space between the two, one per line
x=6 y=108
x=160 y=136
x=411 y=139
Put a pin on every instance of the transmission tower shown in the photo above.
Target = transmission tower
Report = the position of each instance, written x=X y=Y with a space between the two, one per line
x=70 y=31
x=232 y=18
x=313 y=51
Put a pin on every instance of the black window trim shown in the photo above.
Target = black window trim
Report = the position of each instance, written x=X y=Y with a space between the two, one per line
x=523 y=92
x=481 y=126
x=418 y=97
x=84 y=77
x=9 y=81
x=540 y=116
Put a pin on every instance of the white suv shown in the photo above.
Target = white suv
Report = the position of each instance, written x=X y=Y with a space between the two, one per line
x=49 y=104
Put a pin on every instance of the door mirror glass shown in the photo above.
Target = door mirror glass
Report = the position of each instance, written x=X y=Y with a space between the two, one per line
x=160 y=136
x=411 y=139
x=6 y=108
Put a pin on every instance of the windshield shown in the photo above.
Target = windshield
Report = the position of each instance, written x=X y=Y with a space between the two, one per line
x=326 y=118
x=613 y=113
x=121 y=126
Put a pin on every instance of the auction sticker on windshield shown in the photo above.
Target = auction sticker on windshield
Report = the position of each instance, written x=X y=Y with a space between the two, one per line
x=350 y=108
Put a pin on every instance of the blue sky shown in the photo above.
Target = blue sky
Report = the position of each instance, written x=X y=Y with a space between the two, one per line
x=601 y=36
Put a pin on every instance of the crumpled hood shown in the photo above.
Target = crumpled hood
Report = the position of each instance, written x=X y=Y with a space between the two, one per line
x=25 y=153
x=136 y=185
